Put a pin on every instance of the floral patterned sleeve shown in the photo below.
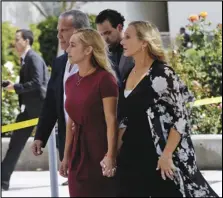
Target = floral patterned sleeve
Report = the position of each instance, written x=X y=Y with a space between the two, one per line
x=173 y=94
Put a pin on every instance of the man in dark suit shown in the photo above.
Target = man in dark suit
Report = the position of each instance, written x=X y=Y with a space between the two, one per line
x=186 y=38
x=110 y=25
x=31 y=91
x=53 y=108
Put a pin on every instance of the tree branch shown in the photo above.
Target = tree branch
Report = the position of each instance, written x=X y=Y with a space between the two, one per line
x=71 y=5
x=40 y=10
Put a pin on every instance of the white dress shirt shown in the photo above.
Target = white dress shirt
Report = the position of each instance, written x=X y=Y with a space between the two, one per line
x=24 y=55
x=67 y=74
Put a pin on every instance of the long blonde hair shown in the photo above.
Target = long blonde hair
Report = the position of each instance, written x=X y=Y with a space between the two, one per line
x=90 y=37
x=146 y=31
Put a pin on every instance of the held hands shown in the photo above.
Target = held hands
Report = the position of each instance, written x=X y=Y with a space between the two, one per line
x=108 y=165
x=165 y=163
x=64 y=168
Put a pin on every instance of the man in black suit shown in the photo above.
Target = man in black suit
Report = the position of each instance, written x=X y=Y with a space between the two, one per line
x=31 y=91
x=53 y=108
x=186 y=38
x=110 y=25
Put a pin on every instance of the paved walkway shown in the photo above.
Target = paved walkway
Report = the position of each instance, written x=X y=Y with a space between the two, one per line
x=37 y=184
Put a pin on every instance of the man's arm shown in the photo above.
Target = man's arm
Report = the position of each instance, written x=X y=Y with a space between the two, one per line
x=48 y=116
x=36 y=72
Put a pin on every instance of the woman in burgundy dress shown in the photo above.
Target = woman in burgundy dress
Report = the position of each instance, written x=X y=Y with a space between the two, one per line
x=91 y=103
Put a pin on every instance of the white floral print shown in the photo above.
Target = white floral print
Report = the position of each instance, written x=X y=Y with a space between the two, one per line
x=159 y=84
x=170 y=106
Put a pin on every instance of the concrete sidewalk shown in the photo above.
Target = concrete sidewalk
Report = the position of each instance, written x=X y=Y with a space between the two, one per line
x=37 y=184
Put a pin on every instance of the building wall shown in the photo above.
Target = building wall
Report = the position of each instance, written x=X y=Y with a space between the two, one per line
x=156 y=12
x=20 y=14
x=134 y=11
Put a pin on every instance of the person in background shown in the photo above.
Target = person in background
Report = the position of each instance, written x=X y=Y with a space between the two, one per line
x=53 y=108
x=186 y=38
x=110 y=25
x=156 y=155
x=31 y=91
x=91 y=145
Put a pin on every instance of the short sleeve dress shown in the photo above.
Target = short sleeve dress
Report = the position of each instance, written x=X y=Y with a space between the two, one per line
x=84 y=106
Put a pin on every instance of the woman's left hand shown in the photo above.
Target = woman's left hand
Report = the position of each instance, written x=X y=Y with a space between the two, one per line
x=166 y=165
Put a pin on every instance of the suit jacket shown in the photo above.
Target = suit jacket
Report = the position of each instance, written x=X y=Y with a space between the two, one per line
x=53 y=107
x=123 y=68
x=33 y=82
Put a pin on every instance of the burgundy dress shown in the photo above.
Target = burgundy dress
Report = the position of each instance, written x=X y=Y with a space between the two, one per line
x=85 y=107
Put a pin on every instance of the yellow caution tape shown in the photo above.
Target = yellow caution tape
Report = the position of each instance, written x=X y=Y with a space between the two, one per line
x=19 y=125
x=33 y=122
x=207 y=101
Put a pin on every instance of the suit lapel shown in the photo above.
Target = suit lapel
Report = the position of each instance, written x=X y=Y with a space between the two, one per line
x=23 y=70
x=125 y=66
x=62 y=65
x=121 y=64
x=27 y=56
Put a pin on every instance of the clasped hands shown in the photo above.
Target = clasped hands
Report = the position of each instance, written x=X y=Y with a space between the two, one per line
x=108 y=165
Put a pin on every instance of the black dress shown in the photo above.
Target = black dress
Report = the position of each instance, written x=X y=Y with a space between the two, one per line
x=137 y=175
x=157 y=104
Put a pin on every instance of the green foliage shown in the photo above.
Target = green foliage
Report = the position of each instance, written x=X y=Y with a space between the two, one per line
x=10 y=68
x=36 y=32
x=201 y=69
x=92 y=20
x=8 y=35
x=48 y=39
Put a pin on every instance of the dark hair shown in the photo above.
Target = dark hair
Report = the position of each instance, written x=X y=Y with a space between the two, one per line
x=112 y=16
x=80 y=19
x=183 y=29
x=26 y=34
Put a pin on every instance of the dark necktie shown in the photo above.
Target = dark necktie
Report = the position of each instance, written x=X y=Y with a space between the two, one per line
x=70 y=68
x=21 y=61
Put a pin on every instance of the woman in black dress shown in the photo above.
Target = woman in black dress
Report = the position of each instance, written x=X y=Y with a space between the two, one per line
x=156 y=155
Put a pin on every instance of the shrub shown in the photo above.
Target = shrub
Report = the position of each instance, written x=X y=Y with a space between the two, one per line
x=48 y=39
x=201 y=69
x=10 y=68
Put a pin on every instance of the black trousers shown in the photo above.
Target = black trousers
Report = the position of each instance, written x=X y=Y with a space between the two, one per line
x=16 y=144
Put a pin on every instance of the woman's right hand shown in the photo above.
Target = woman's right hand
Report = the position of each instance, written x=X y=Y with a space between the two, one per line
x=64 y=168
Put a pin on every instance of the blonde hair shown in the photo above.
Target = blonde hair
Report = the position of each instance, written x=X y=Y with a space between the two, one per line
x=148 y=32
x=90 y=37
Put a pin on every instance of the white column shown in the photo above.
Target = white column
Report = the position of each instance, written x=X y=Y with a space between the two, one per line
x=156 y=12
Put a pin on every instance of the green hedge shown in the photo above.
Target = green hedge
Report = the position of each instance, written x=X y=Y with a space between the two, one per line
x=201 y=68
x=48 y=39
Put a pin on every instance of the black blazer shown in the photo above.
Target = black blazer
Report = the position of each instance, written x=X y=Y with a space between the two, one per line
x=53 y=107
x=33 y=82
x=123 y=68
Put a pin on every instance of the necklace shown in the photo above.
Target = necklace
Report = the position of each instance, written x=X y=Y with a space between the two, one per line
x=79 y=78
x=134 y=69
